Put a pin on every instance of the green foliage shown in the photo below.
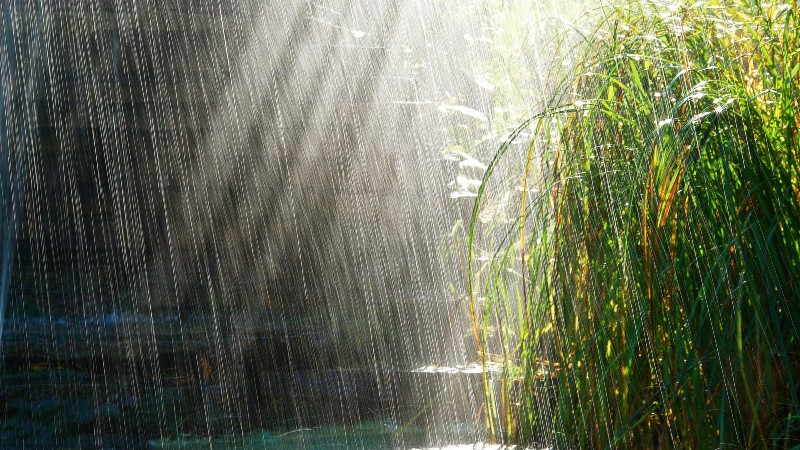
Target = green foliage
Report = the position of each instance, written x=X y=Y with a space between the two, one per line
x=648 y=293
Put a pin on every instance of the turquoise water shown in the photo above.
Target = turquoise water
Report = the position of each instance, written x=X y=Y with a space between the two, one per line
x=374 y=435
x=47 y=406
x=369 y=435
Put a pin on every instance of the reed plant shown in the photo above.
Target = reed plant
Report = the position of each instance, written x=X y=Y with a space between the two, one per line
x=648 y=294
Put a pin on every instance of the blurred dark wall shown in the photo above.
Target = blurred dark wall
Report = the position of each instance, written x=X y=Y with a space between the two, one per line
x=239 y=158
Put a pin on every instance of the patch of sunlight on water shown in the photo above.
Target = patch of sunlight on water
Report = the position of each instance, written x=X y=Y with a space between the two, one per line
x=477 y=447
x=467 y=369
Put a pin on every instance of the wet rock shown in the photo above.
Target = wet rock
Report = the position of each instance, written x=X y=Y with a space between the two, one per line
x=130 y=402
x=43 y=439
x=15 y=428
x=22 y=433
x=115 y=442
x=108 y=411
x=22 y=405
x=48 y=407
x=78 y=415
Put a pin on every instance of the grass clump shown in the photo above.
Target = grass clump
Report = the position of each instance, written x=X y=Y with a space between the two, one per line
x=647 y=296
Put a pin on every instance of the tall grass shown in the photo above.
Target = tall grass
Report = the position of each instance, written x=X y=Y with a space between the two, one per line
x=648 y=294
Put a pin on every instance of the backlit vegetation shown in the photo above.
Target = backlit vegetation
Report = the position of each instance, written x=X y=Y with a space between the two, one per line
x=647 y=294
